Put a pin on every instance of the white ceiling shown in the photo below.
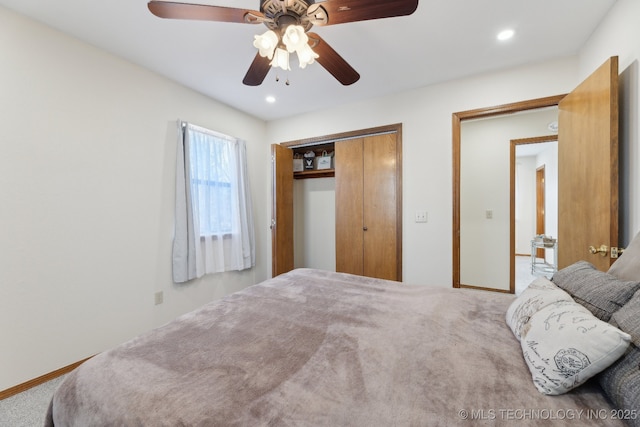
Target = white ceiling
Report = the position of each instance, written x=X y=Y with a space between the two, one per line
x=442 y=40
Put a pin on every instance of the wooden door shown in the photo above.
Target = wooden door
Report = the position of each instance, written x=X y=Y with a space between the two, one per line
x=368 y=200
x=281 y=210
x=349 y=204
x=588 y=168
x=379 y=207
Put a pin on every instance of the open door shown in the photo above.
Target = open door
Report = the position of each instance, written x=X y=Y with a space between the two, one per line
x=281 y=210
x=588 y=172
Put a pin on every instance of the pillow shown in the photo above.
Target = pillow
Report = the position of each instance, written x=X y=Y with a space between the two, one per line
x=621 y=381
x=540 y=293
x=600 y=292
x=627 y=267
x=564 y=345
x=628 y=318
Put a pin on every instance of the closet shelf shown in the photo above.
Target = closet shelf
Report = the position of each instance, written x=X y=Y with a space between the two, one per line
x=315 y=173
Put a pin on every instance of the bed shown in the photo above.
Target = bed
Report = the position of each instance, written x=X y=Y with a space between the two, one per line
x=317 y=348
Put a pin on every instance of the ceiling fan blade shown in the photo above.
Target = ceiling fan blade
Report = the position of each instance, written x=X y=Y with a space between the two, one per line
x=257 y=71
x=342 y=11
x=332 y=61
x=172 y=10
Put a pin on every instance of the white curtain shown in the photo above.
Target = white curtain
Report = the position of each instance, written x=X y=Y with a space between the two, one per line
x=214 y=223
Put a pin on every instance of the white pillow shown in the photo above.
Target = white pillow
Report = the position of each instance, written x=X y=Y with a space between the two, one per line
x=540 y=293
x=564 y=345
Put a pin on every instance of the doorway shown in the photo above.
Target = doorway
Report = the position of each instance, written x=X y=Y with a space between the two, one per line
x=540 y=204
x=482 y=199
x=587 y=142
x=534 y=200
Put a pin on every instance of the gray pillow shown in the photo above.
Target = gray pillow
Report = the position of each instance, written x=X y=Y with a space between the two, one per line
x=627 y=267
x=621 y=381
x=602 y=293
x=628 y=319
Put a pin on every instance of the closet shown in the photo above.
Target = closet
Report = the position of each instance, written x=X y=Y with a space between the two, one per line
x=367 y=167
x=366 y=207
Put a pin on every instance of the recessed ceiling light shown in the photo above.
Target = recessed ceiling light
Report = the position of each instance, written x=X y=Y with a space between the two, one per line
x=505 y=35
x=270 y=99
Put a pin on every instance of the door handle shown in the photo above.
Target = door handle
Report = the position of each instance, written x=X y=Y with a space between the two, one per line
x=602 y=250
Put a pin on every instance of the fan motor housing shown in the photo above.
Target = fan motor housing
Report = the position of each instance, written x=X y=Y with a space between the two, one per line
x=281 y=13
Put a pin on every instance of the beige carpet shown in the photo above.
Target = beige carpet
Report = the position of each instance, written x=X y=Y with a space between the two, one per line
x=27 y=409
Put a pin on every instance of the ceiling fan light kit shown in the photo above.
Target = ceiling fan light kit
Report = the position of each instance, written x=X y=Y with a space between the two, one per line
x=289 y=22
x=294 y=39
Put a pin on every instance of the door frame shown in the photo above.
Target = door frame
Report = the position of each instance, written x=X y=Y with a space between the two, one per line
x=457 y=119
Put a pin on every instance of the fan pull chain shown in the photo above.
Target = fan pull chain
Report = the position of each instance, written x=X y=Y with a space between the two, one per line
x=286 y=81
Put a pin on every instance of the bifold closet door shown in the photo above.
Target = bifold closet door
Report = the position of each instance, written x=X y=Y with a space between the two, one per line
x=380 y=207
x=349 y=202
x=281 y=210
x=367 y=206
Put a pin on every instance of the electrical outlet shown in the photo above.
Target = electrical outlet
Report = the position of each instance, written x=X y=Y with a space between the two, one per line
x=159 y=297
x=421 y=216
x=489 y=214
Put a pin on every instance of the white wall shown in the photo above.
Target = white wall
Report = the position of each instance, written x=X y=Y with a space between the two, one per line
x=525 y=204
x=427 y=147
x=87 y=178
x=314 y=210
x=619 y=34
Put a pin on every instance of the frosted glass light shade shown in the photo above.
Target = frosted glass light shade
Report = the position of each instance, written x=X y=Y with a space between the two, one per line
x=266 y=43
x=280 y=59
x=306 y=56
x=294 y=38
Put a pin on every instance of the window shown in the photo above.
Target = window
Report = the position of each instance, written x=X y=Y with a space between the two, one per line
x=210 y=176
x=214 y=224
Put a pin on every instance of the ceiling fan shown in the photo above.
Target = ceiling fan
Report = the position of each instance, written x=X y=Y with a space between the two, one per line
x=289 y=22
